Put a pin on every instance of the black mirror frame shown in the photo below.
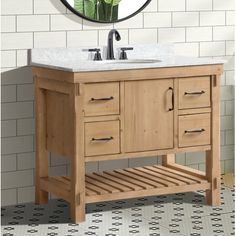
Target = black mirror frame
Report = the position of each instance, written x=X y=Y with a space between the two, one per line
x=103 y=22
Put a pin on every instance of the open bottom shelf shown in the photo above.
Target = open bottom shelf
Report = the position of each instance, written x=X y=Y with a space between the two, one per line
x=128 y=183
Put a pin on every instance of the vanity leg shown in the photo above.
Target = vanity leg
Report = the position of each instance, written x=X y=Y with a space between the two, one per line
x=168 y=159
x=77 y=204
x=213 y=155
x=41 y=197
x=213 y=176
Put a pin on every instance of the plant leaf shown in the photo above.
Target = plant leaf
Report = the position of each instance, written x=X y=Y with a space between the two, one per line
x=112 y=2
x=86 y=7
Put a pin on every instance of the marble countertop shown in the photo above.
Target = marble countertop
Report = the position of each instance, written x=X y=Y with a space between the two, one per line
x=80 y=60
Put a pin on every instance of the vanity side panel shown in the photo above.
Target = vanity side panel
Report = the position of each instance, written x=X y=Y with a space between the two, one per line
x=59 y=123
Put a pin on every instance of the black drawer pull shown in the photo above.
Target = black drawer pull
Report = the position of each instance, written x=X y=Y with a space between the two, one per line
x=194 y=131
x=195 y=93
x=172 y=99
x=101 y=139
x=102 y=99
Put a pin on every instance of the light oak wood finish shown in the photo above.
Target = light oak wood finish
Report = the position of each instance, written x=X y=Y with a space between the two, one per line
x=146 y=116
x=41 y=168
x=77 y=203
x=154 y=153
x=194 y=92
x=213 y=155
x=194 y=111
x=96 y=134
x=59 y=128
x=126 y=75
x=194 y=130
x=126 y=183
x=95 y=103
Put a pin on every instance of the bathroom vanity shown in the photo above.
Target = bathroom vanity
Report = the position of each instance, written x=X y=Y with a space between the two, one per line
x=114 y=111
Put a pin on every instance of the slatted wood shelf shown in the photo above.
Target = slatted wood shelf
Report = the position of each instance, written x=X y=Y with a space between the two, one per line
x=128 y=183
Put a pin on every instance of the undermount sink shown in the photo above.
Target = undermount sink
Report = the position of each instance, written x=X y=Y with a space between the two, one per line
x=131 y=61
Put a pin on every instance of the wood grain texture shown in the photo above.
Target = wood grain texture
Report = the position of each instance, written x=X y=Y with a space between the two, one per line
x=189 y=123
x=77 y=203
x=148 y=120
x=144 y=74
x=147 y=153
x=193 y=85
x=59 y=123
x=126 y=75
x=194 y=111
x=102 y=107
x=213 y=155
x=140 y=123
x=101 y=130
x=41 y=163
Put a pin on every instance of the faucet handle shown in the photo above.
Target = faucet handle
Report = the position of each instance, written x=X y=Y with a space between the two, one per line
x=97 y=56
x=123 y=54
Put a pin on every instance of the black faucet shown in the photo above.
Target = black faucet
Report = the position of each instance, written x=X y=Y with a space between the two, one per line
x=110 y=49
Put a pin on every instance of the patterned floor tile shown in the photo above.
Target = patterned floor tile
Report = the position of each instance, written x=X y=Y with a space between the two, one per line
x=217 y=225
x=183 y=214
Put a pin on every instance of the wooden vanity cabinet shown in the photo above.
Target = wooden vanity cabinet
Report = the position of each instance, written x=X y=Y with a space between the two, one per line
x=110 y=115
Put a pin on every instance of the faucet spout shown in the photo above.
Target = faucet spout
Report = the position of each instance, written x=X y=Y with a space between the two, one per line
x=110 y=48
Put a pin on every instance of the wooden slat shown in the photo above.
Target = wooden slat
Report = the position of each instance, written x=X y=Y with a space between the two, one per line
x=102 y=185
x=138 y=178
x=129 y=179
x=55 y=186
x=66 y=178
x=188 y=170
x=149 y=192
x=121 y=181
x=158 y=183
x=171 y=175
x=199 y=180
x=63 y=181
x=95 y=188
x=90 y=192
x=108 y=182
x=111 y=182
x=162 y=178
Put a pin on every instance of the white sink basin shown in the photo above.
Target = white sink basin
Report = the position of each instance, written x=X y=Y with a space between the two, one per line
x=130 y=61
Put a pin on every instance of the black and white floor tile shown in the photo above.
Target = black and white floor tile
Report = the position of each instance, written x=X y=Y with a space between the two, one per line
x=183 y=214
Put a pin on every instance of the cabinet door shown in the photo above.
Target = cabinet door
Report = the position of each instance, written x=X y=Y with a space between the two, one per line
x=148 y=115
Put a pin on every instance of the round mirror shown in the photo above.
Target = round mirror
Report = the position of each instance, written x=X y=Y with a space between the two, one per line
x=106 y=11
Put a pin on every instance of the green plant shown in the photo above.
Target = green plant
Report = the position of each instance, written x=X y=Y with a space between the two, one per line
x=86 y=7
x=104 y=10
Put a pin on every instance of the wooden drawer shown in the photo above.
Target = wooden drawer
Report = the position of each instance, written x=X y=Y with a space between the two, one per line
x=194 y=92
x=102 y=138
x=194 y=130
x=102 y=99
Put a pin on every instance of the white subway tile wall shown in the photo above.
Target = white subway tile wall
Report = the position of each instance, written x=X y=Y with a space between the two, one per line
x=200 y=28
